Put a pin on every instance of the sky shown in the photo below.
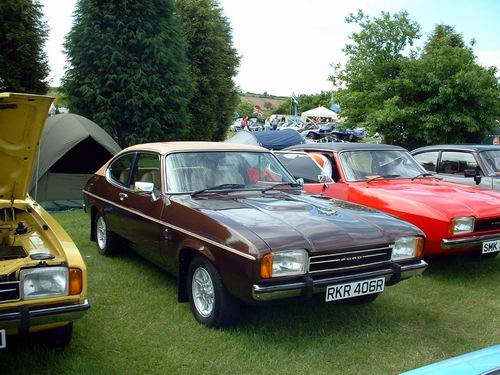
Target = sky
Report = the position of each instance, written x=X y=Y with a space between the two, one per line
x=289 y=45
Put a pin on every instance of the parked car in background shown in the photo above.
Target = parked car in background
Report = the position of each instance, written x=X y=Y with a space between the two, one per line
x=43 y=279
x=455 y=218
x=481 y=362
x=235 y=227
x=464 y=164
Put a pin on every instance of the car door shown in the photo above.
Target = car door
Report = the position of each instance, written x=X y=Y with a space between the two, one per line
x=117 y=215
x=146 y=208
x=452 y=164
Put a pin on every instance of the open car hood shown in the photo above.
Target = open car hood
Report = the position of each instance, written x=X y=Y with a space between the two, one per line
x=22 y=117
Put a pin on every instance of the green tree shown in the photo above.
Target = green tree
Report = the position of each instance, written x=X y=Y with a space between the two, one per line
x=375 y=55
x=128 y=69
x=23 y=63
x=213 y=62
x=442 y=97
x=307 y=102
x=244 y=108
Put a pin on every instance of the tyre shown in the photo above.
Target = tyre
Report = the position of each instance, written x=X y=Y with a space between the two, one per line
x=60 y=336
x=362 y=300
x=105 y=241
x=211 y=303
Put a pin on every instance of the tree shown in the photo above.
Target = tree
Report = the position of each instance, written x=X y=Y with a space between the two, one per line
x=23 y=63
x=128 y=69
x=441 y=96
x=213 y=62
x=244 y=108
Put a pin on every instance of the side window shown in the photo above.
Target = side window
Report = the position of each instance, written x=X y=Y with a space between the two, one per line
x=456 y=162
x=148 y=169
x=119 y=170
x=428 y=160
x=301 y=166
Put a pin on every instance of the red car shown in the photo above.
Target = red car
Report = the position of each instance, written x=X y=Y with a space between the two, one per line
x=455 y=218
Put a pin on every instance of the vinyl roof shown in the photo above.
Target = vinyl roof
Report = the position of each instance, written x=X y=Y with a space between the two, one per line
x=458 y=148
x=167 y=147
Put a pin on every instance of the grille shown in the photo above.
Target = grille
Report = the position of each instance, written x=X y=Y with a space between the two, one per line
x=351 y=260
x=9 y=291
x=487 y=224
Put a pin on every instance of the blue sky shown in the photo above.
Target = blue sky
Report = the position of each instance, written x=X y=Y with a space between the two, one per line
x=288 y=45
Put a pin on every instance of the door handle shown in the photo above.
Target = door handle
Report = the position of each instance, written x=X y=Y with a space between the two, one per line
x=122 y=196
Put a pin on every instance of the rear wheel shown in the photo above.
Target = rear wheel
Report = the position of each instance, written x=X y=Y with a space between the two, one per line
x=362 y=300
x=106 y=241
x=211 y=303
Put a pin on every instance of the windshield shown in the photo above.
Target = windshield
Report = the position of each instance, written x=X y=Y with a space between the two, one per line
x=492 y=160
x=367 y=164
x=188 y=172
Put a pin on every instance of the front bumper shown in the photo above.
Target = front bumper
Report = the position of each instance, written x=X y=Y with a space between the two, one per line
x=468 y=243
x=26 y=317
x=311 y=286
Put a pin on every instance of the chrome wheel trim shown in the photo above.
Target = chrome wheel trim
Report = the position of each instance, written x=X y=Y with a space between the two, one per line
x=101 y=233
x=203 y=292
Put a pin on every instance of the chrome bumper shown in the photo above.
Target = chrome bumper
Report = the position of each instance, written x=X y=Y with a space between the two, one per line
x=310 y=286
x=26 y=317
x=468 y=243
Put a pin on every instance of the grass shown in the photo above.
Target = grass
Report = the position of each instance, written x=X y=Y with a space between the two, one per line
x=136 y=326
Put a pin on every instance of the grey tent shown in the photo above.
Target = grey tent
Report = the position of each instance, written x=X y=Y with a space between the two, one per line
x=72 y=148
x=271 y=139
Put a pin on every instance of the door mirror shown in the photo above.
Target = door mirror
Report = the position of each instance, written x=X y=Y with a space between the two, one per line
x=144 y=187
x=322 y=178
x=300 y=181
x=474 y=173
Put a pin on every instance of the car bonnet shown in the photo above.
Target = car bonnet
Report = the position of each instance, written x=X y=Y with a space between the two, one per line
x=22 y=117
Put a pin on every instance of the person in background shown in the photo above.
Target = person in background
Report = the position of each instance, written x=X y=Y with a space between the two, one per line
x=496 y=141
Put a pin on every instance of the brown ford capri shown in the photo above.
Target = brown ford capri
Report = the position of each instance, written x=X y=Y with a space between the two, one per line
x=235 y=227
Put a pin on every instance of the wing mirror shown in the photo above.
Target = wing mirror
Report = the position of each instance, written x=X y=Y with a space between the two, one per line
x=142 y=187
x=300 y=181
x=474 y=173
x=322 y=179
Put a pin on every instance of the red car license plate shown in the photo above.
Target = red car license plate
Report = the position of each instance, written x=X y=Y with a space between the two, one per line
x=491 y=246
x=3 y=339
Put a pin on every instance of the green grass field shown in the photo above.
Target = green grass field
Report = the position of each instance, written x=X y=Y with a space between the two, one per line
x=136 y=326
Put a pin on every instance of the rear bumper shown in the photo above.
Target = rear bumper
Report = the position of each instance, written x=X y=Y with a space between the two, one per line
x=25 y=317
x=468 y=243
x=311 y=286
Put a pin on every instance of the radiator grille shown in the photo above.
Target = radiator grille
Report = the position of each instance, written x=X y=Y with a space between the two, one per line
x=9 y=291
x=351 y=260
x=487 y=224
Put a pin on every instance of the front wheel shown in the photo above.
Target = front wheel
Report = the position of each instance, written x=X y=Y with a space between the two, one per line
x=211 y=303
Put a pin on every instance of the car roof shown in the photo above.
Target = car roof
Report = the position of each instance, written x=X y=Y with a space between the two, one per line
x=345 y=146
x=168 y=147
x=464 y=147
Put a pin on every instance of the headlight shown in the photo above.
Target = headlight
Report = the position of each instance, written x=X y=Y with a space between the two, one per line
x=407 y=248
x=44 y=282
x=284 y=263
x=462 y=225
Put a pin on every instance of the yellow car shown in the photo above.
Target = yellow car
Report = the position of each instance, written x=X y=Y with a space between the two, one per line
x=43 y=279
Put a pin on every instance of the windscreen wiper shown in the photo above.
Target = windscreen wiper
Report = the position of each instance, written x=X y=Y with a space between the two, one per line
x=384 y=176
x=218 y=187
x=283 y=184
x=422 y=175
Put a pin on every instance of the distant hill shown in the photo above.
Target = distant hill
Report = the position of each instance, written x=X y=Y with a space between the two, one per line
x=264 y=101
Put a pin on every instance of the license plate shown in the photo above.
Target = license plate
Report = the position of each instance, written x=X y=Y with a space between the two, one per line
x=491 y=246
x=355 y=289
x=3 y=339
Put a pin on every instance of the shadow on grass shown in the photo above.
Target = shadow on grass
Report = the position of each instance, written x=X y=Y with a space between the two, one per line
x=461 y=266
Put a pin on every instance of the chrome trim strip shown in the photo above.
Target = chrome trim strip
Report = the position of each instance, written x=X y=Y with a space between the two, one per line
x=33 y=313
x=11 y=290
x=338 y=260
x=350 y=267
x=215 y=243
x=454 y=243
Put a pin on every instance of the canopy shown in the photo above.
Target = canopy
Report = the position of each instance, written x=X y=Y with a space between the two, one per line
x=72 y=148
x=320 y=112
x=272 y=140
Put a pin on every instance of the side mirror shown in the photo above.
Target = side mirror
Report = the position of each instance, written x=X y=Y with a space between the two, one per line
x=144 y=187
x=300 y=181
x=322 y=178
x=474 y=173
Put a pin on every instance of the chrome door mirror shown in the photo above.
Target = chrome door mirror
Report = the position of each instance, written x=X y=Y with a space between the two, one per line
x=322 y=178
x=144 y=187
x=300 y=181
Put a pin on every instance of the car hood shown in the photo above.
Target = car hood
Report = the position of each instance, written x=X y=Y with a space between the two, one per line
x=291 y=221
x=431 y=197
x=22 y=117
